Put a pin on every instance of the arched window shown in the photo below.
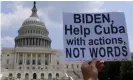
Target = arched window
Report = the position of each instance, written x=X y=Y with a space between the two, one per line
x=34 y=76
x=57 y=75
x=18 y=75
x=42 y=75
x=26 y=76
x=50 y=76
x=10 y=75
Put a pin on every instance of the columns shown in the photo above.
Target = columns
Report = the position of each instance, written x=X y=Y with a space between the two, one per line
x=21 y=42
x=36 y=59
x=50 y=58
x=37 y=41
x=31 y=41
x=31 y=58
x=42 y=42
x=28 y=41
x=14 y=60
x=18 y=58
x=25 y=42
x=45 y=43
x=34 y=41
x=23 y=58
x=43 y=59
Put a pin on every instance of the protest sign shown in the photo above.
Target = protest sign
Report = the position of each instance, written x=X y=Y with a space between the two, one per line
x=95 y=35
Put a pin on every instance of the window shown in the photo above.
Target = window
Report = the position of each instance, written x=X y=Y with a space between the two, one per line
x=42 y=75
x=33 y=62
x=39 y=55
x=6 y=67
x=7 y=54
x=7 y=61
x=57 y=75
x=39 y=62
x=27 y=67
x=20 y=62
x=33 y=68
x=19 y=75
x=41 y=68
x=28 y=62
x=46 y=62
x=66 y=66
x=46 y=67
x=20 y=68
x=72 y=66
x=57 y=62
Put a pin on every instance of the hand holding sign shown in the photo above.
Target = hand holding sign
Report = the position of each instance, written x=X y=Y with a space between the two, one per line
x=95 y=35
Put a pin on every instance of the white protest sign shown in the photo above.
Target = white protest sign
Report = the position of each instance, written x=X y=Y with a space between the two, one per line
x=95 y=35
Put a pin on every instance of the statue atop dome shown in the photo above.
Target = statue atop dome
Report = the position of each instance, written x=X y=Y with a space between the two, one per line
x=34 y=10
x=34 y=4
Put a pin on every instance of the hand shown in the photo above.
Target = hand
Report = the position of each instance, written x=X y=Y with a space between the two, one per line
x=90 y=71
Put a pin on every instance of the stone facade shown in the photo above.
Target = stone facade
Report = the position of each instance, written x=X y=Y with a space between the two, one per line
x=32 y=57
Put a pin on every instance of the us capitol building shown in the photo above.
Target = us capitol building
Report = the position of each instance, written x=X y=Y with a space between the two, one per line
x=32 y=58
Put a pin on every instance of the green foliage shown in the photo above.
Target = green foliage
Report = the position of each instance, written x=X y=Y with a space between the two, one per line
x=117 y=71
x=126 y=70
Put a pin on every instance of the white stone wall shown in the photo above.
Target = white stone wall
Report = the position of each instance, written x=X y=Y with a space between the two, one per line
x=53 y=68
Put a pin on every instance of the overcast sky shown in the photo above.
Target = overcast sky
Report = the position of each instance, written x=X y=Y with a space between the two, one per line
x=14 y=13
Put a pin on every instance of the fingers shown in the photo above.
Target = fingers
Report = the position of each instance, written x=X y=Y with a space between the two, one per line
x=84 y=65
x=94 y=62
x=100 y=65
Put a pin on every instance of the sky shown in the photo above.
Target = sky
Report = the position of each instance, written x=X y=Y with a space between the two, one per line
x=14 y=13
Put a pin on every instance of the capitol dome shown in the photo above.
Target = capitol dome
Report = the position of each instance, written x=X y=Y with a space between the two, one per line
x=33 y=32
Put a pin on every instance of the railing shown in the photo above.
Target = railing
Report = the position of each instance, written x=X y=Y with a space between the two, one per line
x=76 y=74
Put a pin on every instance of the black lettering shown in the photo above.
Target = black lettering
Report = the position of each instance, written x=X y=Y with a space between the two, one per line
x=113 y=28
x=97 y=28
x=70 y=41
x=86 y=31
x=76 y=31
x=77 y=18
x=120 y=40
x=90 y=42
x=68 y=53
x=122 y=29
x=106 y=18
x=124 y=49
x=96 y=42
x=114 y=40
x=68 y=29
x=93 y=52
x=106 y=30
x=97 y=18
x=108 y=41
x=109 y=51
x=83 y=20
x=89 y=16
x=76 y=50
x=83 y=51
x=117 y=50
x=102 y=52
